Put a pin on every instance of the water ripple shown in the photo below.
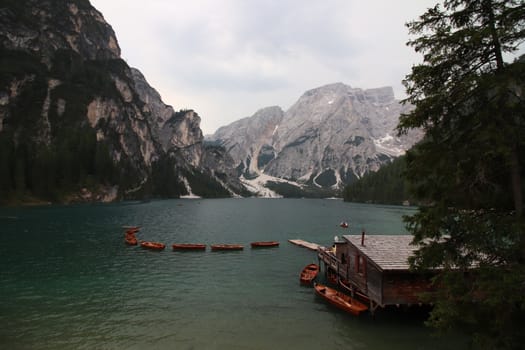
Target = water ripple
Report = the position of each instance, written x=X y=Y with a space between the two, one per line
x=76 y=285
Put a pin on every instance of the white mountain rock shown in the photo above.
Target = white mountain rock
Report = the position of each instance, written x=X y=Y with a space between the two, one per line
x=331 y=136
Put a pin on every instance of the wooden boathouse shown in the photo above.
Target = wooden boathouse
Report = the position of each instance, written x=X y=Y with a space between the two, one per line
x=376 y=267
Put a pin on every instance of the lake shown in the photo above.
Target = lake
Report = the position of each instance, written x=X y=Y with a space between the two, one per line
x=69 y=281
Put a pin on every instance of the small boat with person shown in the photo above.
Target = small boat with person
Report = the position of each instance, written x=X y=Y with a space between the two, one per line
x=309 y=273
x=188 y=246
x=219 y=247
x=267 y=244
x=340 y=300
x=152 y=245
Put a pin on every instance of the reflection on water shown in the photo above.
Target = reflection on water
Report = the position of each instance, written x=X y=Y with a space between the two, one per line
x=69 y=281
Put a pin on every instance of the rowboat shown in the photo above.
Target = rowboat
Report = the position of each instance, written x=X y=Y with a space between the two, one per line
x=309 y=273
x=340 y=300
x=131 y=229
x=216 y=247
x=152 y=245
x=264 y=244
x=131 y=240
x=188 y=246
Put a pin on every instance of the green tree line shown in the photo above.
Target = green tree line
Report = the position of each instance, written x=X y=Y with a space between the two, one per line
x=48 y=172
x=386 y=186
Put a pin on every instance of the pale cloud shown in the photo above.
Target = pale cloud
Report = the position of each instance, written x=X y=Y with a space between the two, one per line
x=226 y=59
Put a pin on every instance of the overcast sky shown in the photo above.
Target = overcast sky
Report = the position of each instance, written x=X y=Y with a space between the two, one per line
x=228 y=58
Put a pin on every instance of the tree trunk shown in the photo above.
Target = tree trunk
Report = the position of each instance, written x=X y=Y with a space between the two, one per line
x=488 y=8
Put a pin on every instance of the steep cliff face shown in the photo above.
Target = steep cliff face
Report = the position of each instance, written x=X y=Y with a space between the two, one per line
x=43 y=27
x=331 y=136
x=72 y=109
x=250 y=141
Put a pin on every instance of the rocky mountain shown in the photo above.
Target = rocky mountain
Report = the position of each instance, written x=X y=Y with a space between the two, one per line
x=331 y=136
x=77 y=123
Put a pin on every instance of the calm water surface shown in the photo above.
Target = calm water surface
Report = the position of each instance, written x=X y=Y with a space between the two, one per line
x=68 y=281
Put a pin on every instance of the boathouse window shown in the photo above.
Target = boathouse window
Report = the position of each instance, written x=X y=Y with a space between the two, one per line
x=360 y=265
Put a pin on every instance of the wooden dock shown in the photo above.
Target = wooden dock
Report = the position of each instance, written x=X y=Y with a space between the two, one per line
x=305 y=244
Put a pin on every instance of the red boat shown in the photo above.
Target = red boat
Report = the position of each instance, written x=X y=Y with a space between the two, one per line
x=340 y=300
x=152 y=245
x=309 y=273
x=131 y=240
x=344 y=224
x=132 y=229
x=264 y=244
x=188 y=246
x=216 y=247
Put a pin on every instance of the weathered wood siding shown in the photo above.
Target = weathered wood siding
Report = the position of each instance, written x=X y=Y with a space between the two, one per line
x=375 y=283
x=356 y=278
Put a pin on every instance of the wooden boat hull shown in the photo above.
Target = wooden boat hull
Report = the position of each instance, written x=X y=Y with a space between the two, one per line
x=219 y=247
x=131 y=241
x=309 y=273
x=153 y=245
x=340 y=300
x=131 y=229
x=268 y=244
x=188 y=246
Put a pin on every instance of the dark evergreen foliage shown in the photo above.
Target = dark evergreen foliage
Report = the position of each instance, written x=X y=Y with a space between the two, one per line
x=291 y=191
x=469 y=166
x=386 y=186
x=165 y=179
x=73 y=158
x=204 y=185
x=326 y=178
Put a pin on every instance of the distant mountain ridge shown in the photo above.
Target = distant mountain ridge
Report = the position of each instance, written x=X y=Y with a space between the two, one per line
x=330 y=137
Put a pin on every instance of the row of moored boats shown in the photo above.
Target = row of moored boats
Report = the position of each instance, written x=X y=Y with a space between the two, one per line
x=131 y=239
x=308 y=274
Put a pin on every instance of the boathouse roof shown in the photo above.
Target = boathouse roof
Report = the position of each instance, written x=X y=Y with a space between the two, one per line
x=388 y=252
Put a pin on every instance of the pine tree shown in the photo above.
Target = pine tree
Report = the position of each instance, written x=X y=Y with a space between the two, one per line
x=470 y=103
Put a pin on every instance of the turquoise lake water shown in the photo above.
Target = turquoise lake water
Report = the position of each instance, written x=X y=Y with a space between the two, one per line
x=68 y=281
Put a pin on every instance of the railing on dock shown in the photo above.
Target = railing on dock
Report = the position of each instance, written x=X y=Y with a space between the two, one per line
x=330 y=259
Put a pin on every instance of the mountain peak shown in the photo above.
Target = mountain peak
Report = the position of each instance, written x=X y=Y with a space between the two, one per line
x=332 y=135
x=334 y=88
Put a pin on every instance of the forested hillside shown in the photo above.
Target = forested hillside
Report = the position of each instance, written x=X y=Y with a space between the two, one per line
x=386 y=186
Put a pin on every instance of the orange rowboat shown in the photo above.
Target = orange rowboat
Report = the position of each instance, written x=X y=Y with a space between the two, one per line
x=188 y=246
x=131 y=240
x=152 y=245
x=264 y=244
x=131 y=229
x=340 y=300
x=218 y=247
x=309 y=273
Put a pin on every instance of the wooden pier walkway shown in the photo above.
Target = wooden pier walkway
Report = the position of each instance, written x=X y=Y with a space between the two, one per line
x=305 y=244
